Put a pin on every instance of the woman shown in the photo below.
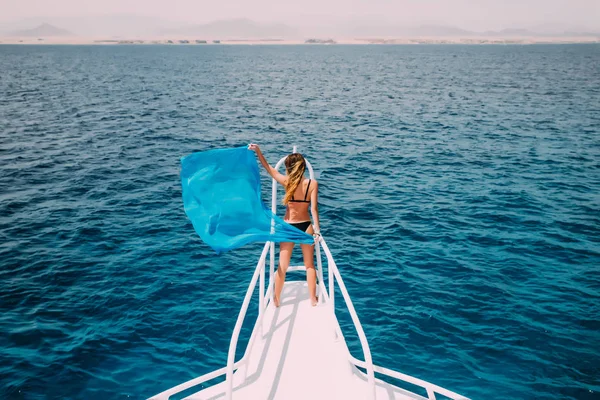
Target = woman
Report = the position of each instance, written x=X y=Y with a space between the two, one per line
x=299 y=194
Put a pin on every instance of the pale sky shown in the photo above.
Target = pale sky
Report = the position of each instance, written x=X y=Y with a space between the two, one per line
x=468 y=14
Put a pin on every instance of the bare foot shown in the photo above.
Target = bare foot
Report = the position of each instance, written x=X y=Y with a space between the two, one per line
x=315 y=301
x=276 y=301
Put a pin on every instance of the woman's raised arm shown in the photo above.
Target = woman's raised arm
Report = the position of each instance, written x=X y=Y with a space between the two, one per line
x=272 y=171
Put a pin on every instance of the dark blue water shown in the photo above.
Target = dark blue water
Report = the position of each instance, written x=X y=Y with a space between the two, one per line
x=460 y=195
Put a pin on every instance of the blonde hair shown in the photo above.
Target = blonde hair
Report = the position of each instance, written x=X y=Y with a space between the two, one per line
x=295 y=167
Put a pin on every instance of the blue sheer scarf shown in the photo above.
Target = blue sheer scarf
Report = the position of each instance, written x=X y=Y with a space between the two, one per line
x=221 y=196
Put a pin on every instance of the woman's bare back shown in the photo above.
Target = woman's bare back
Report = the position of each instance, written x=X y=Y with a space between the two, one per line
x=298 y=209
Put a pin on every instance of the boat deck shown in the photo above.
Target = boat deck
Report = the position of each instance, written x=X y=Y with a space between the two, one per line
x=294 y=353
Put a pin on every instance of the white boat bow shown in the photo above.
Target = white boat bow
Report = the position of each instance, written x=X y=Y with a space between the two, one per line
x=297 y=351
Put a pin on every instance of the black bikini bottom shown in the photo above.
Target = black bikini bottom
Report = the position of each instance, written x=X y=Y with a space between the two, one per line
x=303 y=226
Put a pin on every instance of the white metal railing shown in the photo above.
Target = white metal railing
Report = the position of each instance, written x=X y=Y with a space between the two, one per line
x=335 y=276
x=264 y=297
x=326 y=296
x=231 y=365
x=429 y=387
x=260 y=269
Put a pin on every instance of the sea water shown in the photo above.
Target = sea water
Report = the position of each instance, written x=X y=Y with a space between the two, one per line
x=459 y=193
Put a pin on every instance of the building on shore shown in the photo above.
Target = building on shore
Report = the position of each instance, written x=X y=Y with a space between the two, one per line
x=320 y=41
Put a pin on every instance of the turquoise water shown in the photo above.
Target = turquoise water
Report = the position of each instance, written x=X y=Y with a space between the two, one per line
x=459 y=195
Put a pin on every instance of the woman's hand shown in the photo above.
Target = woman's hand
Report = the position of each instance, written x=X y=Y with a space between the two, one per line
x=317 y=236
x=272 y=171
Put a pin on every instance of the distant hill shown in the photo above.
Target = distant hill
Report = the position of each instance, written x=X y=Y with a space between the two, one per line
x=531 y=33
x=575 y=34
x=437 y=30
x=237 y=28
x=398 y=30
x=42 y=30
x=139 y=26
x=110 y=25
x=512 y=32
x=440 y=31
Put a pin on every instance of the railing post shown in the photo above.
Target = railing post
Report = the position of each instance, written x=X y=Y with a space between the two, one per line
x=272 y=268
x=430 y=394
x=261 y=290
x=331 y=281
x=319 y=270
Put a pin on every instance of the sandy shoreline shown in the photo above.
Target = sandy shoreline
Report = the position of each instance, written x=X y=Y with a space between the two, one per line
x=178 y=41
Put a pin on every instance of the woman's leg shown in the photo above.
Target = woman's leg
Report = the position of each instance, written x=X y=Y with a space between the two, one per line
x=308 y=253
x=285 y=254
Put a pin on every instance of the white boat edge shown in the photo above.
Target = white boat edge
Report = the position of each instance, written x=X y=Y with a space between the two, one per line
x=361 y=385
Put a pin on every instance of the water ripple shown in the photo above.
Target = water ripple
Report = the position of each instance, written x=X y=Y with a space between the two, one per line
x=459 y=194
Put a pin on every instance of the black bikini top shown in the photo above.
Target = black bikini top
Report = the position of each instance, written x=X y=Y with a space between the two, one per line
x=305 y=194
